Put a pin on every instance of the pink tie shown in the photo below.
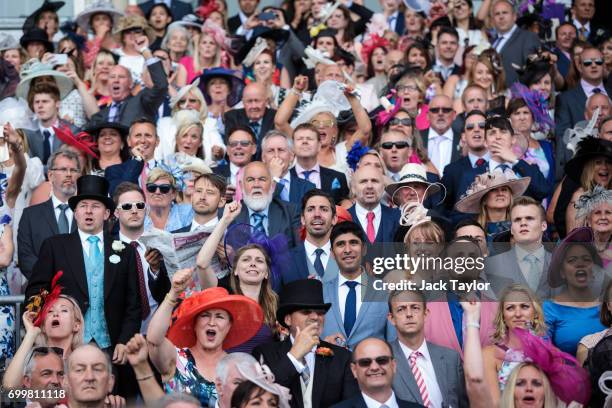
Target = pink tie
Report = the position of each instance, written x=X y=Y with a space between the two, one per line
x=144 y=174
x=370 y=229
x=238 y=193
x=419 y=378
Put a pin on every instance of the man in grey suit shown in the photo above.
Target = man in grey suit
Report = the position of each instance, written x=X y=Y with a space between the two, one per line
x=512 y=43
x=355 y=313
x=51 y=217
x=527 y=262
x=428 y=374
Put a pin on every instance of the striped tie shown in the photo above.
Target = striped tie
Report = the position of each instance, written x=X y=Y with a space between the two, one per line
x=419 y=378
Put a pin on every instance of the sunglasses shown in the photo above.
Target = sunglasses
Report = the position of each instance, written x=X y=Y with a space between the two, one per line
x=398 y=145
x=366 y=362
x=398 y=121
x=44 y=350
x=471 y=126
x=440 y=110
x=128 y=206
x=589 y=62
x=243 y=143
x=323 y=123
x=163 y=188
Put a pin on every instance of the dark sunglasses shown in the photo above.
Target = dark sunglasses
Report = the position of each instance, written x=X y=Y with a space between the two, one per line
x=398 y=145
x=398 y=121
x=366 y=362
x=163 y=188
x=471 y=126
x=440 y=110
x=589 y=62
x=44 y=350
x=139 y=205
x=243 y=143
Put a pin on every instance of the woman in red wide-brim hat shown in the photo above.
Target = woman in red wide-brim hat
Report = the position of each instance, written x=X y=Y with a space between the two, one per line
x=186 y=343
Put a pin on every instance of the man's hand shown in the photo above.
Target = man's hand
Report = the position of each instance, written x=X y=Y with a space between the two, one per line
x=300 y=83
x=181 y=281
x=114 y=401
x=305 y=340
x=276 y=167
x=120 y=355
x=252 y=22
x=229 y=193
x=136 y=349
x=231 y=211
x=503 y=152
x=278 y=22
x=154 y=258
x=337 y=339
x=137 y=151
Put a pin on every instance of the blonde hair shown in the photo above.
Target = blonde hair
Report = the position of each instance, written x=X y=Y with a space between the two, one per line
x=194 y=91
x=77 y=338
x=501 y=330
x=499 y=76
x=430 y=230
x=587 y=178
x=184 y=128
x=483 y=215
x=158 y=173
x=196 y=53
x=507 y=398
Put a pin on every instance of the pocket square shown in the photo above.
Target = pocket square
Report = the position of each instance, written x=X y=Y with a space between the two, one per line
x=335 y=184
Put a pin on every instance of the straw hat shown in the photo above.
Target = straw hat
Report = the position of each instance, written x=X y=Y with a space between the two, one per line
x=98 y=7
x=411 y=173
x=484 y=183
x=246 y=315
x=34 y=69
x=132 y=21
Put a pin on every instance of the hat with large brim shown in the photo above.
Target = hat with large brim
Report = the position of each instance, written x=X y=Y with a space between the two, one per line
x=234 y=78
x=98 y=7
x=34 y=69
x=131 y=22
x=276 y=34
x=246 y=314
x=90 y=187
x=190 y=20
x=82 y=141
x=36 y=35
x=583 y=236
x=97 y=128
x=589 y=148
x=183 y=92
x=484 y=183
x=304 y=294
x=411 y=173
x=30 y=21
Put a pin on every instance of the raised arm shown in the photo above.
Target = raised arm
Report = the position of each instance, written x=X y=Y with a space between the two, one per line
x=364 y=125
x=137 y=355
x=14 y=372
x=285 y=110
x=15 y=144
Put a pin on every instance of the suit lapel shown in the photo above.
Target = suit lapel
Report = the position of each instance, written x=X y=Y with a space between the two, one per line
x=332 y=293
x=320 y=378
x=275 y=216
x=353 y=212
x=439 y=365
x=110 y=269
x=49 y=215
x=511 y=40
x=243 y=217
x=405 y=372
x=76 y=260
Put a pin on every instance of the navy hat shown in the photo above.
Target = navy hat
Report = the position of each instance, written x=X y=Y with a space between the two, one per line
x=234 y=78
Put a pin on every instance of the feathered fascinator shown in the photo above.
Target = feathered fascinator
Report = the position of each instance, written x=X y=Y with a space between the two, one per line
x=494 y=58
x=537 y=104
x=327 y=10
x=569 y=381
x=217 y=33
x=328 y=98
x=206 y=9
x=17 y=113
x=576 y=134
x=413 y=214
x=355 y=154
x=171 y=167
x=383 y=117
x=314 y=56
x=41 y=303
x=186 y=116
x=69 y=28
x=82 y=141
x=262 y=376
x=276 y=247
x=260 y=45
x=591 y=200
x=370 y=44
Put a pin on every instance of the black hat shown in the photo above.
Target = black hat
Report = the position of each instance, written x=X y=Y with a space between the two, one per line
x=588 y=149
x=275 y=34
x=91 y=187
x=36 y=35
x=300 y=295
x=47 y=5
x=95 y=129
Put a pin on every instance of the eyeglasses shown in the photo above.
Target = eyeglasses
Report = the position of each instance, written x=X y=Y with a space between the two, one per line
x=589 y=62
x=380 y=360
x=243 y=143
x=440 y=110
x=471 y=126
x=163 y=188
x=139 y=205
x=397 y=145
x=403 y=122
x=65 y=170
x=404 y=88
x=323 y=123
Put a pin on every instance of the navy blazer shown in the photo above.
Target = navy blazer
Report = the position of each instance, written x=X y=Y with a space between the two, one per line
x=129 y=170
x=235 y=117
x=233 y=23
x=563 y=63
x=457 y=177
x=332 y=182
x=178 y=8
x=388 y=224
x=297 y=188
x=358 y=402
x=222 y=170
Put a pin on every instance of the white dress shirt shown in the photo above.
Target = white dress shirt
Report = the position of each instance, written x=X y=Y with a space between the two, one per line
x=315 y=176
x=69 y=214
x=525 y=266
x=310 y=360
x=440 y=148
x=392 y=20
x=587 y=27
x=85 y=243
x=209 y=225
x=501 y=44
x=343 y=291
x=362 y=216
x=427 y=372
x=310 y=252
x=372 y=403
x=233 y=174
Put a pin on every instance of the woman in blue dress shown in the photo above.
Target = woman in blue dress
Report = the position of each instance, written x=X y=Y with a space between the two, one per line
x=163 y=212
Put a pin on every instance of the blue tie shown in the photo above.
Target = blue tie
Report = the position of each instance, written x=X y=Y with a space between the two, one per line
x=306 y=174
x=46 y=146
x=284 y=195
x=503 y=167
x=255 y=128
x=95 y=256
x=350 y=308
x=258 y=224
x=318 y=265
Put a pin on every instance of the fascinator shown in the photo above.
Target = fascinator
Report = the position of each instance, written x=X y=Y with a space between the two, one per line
x=82 y=141
x=591 y=200
x=17 y=113
x=575 y=135
x=413 y=214
x=327 y=10
x=569 y=381
x=217 y=33
x=191 y=20
x=69 y=29
x=206 y=9
x=355 y=154
x=276 y=247
x=41 y=303
x=537 y=104
x=8 y=42
x=172 y=167
x=260 y=45
x=314 y=57
x=422 y=6
x=378 y=25
x=328 y=98
x=262 y=376
x=370 y=44
x=384 y=116
x=184 y=91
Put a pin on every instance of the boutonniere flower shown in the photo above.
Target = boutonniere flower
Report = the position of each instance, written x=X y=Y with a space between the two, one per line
x=324 y=352
x=600 y=32
x=118 y=245
x=114 y=259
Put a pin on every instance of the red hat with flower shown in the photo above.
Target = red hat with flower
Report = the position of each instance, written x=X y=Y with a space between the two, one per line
x=41 y=303
x=82 y=141
x=373 y=42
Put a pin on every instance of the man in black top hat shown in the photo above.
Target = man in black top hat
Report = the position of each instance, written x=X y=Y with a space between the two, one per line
x=98 y=272
x=317 y=373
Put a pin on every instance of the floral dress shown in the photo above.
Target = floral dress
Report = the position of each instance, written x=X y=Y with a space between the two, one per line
x=188 y=379
x=512 y=358
x=7 y=313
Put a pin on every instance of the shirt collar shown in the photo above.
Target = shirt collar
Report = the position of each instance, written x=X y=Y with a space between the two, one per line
x=234 y=169
x=521 y=253
x=447 y=67
x=508 y=34
x=84 y=236
x=422 y=349
x=578 y=25
x=310 y=248
x=210 y=224
x=299 y=169
x=473 y=157
x=362 y=212
x=588 y=88
x=243 y=17
x=264 y=212
x=129 y=240
x=372 y=403
x=56 y=201
x=342 y=280
x=447 y=135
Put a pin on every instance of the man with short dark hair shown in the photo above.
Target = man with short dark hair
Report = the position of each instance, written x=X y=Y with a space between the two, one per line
x=565 y=35
x=446 y=48
x=207 y=199
x=177 y=8
x=245 y=16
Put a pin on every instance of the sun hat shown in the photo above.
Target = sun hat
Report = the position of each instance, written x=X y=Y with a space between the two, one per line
x=34 y=69
x=90 y=187
x=98 y=7
x=134 y=21
x=262 y=376
x=582 y=235
x=234 y=78
x=484 y=183
x=36 y=34
x=300 y=295
x=411 y=173
x=30 y=21
x=246 y=314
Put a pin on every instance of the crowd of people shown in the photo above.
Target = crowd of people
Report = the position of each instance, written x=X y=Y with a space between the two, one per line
x=288 y=149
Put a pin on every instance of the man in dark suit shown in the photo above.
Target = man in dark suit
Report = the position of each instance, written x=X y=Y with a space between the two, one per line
x=378 y=222
x=247 y=10
x=207 y=199
x=428 y=374
x=565 y=33
x=474 y=97
x=306 y=146
x=278 y=155
x=241 y=147
x=52 y=217
x=374 y=367
x=441 y=143
x=126 y=108
x=583 y=12
x=393 y=16
x=321 y=378
x=313 y=258
x=513 y=43
x=262 y=210
x=98 y=273
x=255 y=114
x=446 y=48
x=178 y=8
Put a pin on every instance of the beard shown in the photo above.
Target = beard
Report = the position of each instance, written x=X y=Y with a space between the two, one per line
x=258 y=203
